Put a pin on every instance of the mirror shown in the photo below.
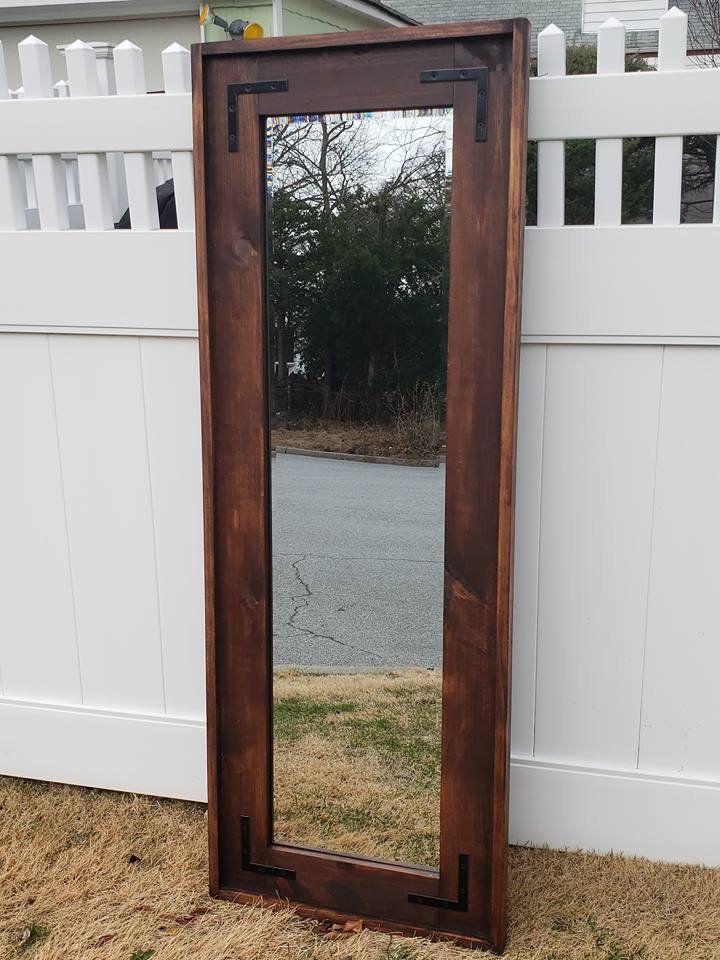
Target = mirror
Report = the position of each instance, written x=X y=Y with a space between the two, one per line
x=324 y=297
x=358 y=218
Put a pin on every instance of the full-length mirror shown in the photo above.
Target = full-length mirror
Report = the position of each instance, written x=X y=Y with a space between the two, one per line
x=359 y=226
x=358 y=264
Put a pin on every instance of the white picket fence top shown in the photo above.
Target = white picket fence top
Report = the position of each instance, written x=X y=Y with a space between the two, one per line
x=73 y=117
x=75 y=155
x=668 y=104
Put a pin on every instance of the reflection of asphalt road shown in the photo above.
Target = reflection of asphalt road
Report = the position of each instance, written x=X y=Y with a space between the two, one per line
x=357 y=559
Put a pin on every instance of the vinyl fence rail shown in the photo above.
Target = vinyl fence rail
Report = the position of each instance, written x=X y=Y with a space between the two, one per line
x=617 y=618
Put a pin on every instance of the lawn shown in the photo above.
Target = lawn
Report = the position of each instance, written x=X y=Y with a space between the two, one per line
x=91 y=874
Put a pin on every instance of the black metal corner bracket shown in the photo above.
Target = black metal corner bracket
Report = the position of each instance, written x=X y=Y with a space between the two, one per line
x=235 y=90
x=462 y=901
x=247 y=864
x=466 y=73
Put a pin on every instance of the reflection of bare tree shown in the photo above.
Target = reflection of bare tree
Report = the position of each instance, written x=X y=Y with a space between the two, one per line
x=319 y=161
x=322 y=161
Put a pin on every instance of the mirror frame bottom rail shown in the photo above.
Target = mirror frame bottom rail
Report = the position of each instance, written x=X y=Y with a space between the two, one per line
x=235 y=87
x=326 y=915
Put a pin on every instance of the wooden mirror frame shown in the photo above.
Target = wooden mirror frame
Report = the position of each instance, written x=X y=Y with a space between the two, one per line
x=235 y=87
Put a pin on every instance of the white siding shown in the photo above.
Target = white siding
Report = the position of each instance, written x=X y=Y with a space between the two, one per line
x=634 y=14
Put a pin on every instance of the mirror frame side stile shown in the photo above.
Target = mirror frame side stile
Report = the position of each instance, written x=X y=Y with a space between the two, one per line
x=198 y=121
x=517 y=189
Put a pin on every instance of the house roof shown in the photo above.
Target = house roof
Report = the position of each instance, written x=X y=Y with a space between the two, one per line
x=383 y=8
x=566 y=14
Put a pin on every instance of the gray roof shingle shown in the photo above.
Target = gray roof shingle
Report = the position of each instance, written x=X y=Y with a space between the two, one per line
x=566 y=14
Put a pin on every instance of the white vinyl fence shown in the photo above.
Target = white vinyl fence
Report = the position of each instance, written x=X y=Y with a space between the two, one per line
x=616 y=712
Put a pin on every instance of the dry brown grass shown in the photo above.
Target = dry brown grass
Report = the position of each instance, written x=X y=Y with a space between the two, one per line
x=108 y=876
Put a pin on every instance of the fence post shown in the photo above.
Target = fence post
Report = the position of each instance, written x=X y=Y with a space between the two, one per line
x=61 y=89
x=139 y=172
x=105 y=69
x=4 y=88
x=116 y=165
x=278 y=29
x=609 y=153
x=92 y=167
x=176 y=73
x=26 y=172
x=551 y=153
x=50 y=187
x=12 y=207
x=672 y=55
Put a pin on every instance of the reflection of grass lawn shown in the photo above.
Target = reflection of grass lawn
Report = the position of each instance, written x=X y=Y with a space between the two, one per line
x=357 y=762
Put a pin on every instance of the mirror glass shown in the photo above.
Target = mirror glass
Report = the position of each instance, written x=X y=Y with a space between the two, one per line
x=358 y=216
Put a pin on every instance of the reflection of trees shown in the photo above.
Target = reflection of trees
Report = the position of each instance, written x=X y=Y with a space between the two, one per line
x=359 y=264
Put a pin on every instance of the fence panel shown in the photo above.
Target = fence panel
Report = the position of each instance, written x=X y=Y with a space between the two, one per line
x=681 y=708
x=609 y=152
x=101 y=600
x=528 y=502
x=597 y=485
x=171 y=392
x=38 y=640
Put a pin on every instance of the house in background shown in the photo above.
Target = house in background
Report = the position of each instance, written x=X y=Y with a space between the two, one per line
x=578 y=19
x=155 y=24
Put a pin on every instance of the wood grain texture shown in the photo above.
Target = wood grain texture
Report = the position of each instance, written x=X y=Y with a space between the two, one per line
x=369 y=71
x=508 y=446
x=363 y=38
x=198 y=119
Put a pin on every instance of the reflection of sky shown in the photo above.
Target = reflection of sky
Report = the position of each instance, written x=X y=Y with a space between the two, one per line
x=392 y=135
x=395 y=137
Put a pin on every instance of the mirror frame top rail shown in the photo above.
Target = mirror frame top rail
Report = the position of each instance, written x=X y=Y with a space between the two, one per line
x=481 y=71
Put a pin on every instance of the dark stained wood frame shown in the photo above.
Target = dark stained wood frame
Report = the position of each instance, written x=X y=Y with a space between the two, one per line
x=348 y=72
